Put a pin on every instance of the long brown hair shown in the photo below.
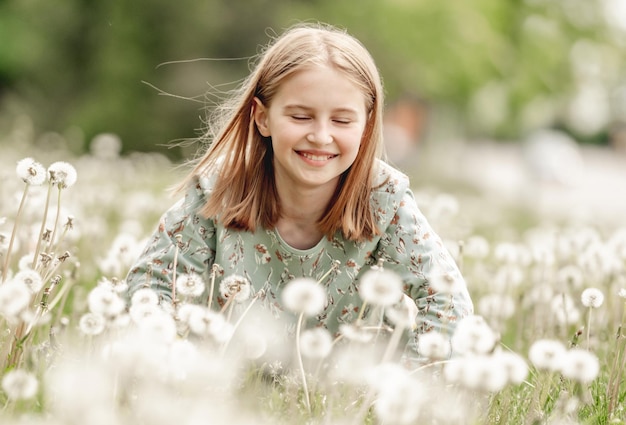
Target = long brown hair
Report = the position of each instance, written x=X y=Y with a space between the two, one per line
x=244 y=195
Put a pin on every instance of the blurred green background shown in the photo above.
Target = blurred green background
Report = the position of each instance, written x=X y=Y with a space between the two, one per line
x=492 y=69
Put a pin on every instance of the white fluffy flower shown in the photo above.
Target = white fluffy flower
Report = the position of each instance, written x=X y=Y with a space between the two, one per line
x=404 y=313
x=92 y=324
x=102 y=300
x=476 y=247
x=190 y=285
x=564 y=309
x=62 y=174
x=316 y=343
x=304 y=295
x=434 y=346
x=496 y=306
x=14 y=299
x=19 y=384
x=483 y=372
x=144 y=296
x=31 y=171
x=514 y=365
x=580 y=365
x=236 y=286
x=547 y=354
x=380 y=287
x=30 y=278
x=592 y=297
x=473 y=336
x=355 y=333
x=621 y=293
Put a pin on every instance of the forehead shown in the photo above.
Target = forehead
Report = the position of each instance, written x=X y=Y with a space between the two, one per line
x=320 y=85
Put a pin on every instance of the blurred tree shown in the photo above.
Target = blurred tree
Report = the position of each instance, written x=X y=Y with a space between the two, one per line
x=501 y=67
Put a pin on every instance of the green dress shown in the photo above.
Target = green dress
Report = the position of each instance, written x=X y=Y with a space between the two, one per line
x=408 y=246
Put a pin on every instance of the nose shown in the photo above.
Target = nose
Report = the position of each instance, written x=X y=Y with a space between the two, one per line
x=320 y=134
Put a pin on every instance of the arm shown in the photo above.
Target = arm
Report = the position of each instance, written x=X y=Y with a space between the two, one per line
x=196 y=247
x=413 y=250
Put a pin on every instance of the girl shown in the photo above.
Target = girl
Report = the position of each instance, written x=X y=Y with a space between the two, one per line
x=292 y=185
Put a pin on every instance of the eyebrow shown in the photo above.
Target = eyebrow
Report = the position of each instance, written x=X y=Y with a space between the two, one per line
x=307 y=108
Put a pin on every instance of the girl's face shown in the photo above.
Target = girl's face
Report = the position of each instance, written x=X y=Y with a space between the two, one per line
x=316 y=120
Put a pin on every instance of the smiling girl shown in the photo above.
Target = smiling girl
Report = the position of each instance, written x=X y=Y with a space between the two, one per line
x=292 y=185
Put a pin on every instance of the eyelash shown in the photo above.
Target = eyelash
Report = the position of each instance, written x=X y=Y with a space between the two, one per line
x=304 y=118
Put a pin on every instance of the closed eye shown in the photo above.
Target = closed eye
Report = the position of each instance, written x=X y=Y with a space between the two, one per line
x=300 y=117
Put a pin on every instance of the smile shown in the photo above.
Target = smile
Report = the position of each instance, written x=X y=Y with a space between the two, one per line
x=313 y=157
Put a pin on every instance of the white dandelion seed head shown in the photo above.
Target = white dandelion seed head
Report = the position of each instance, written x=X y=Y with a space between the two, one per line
x=190 y=285
x=403 y=314
x=159 y=327
x=453 y=370
x=236 y=286
x=617 y=243
x=564 y=309
x=445 y=282
x=255 y=346
x=145 y=296
x=580 y=365
x=434 y=346
x=14 y=299
x=399 y=403
x=592 y=297
x=621 y=293
x=62 y=174
x=547 y=354
x=20 y=384
x=92 y=324
x=570 y=276
x=31 y=171
x=316 y=343
x=304 y=296
x=103 y=300
x=483 y=372
x=496 y=307
x=476 y=247
x=106 y=146
x=473 y=336
x=380 y=287
x=355 y=333
x=139 y=312
x=30 y=278
x=508 y=276
x=514 y=365
x=207 y=323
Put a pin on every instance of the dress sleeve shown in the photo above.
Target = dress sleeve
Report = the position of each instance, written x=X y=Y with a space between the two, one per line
x=413 y=250
x=180 y=226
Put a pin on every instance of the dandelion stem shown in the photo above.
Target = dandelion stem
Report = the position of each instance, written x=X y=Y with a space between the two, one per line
x=589 y=327
x=5 y=267
x=239 y=320
x=212 y=288
x=43 y=226
x=393 y=343
x=174 y=267
x=301 y=364
x=56 y=221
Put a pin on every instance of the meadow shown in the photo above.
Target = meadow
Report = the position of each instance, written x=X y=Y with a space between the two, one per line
x=546 y=343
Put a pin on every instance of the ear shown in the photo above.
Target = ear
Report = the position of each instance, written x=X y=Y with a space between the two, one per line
x=259 y=111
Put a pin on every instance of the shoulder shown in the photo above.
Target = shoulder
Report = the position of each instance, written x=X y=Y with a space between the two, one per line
x=389 y=181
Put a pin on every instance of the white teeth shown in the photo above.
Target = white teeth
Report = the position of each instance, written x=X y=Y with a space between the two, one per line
x=316 y=157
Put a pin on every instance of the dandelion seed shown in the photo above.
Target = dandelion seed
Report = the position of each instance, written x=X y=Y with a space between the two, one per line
x=445 y=282
x=399 y=397
x=570 y=276
x=473 y=335
x=91 y=324
x=404 y=313
x=19 y=384
x=476 y=247
x=380 y=287
x=483 y=372
x=62 y=174
x=564 y=309
x=496 y=306
x=592 y=298
x=621 y=293
x=580 y=365
x=304 y=295
x=547 y=354
x=316 y=343
x=104 y=301
x=158 y=327
x=236 y=286
x=434 y=346
x=190 y=285
x=144 y=296
x=355 y=333
x=14 y=299
x=207 y=323
x=31 y=279
x=31 y=172
x=139 y=312
x=514 y=365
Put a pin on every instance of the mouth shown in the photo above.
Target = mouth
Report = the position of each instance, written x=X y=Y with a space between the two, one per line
x=316 y=157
